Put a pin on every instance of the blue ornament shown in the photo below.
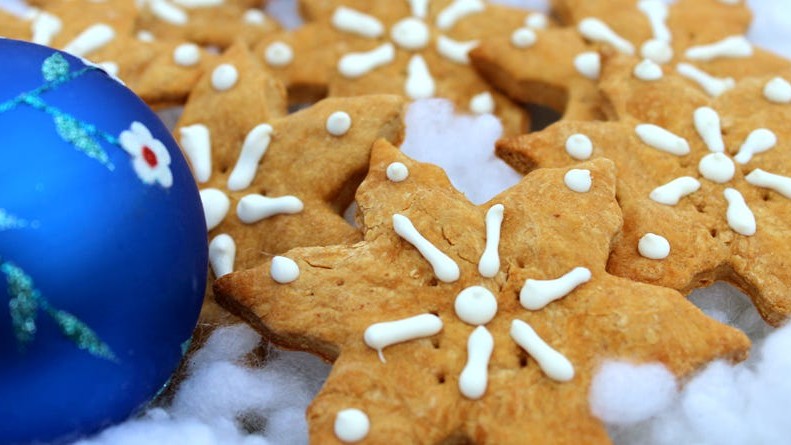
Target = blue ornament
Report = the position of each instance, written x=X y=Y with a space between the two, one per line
x=103 y=253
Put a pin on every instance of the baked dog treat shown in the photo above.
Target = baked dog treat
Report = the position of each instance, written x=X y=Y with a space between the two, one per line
x=703 y=183
x=558 y=67
x=413 y=48
x=270 y=183
x=456 y=323
x=162 y=73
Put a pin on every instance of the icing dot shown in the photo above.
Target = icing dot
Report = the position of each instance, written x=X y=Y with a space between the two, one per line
x=654 y=247
x=657 y=50
x=222 y=254
x=351 y=425
x=475 y=305
x=254 y=17
x=648 y=70
x=338 y=123
x=523 y=38
x=186 y=54
x=536 y=20
x=410 y=33
x=278 y=54
x=588 y=64
x=145 y=36
x=778 y=90
x=397 y=172
x=283 y=270
x=224 y=77
x=579 y=147
x=482 y=103
x=578 y=180
x=717 y=167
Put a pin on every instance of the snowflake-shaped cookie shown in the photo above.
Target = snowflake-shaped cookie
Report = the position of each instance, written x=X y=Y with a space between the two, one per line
x=415 y=48
x=458 y=323
x=705 y=184
x=558 y=67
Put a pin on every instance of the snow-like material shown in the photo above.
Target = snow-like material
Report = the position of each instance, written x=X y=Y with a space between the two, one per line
x=625 y=393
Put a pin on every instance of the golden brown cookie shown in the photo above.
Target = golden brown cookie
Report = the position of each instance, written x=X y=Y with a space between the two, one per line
x=558 y=67
x=456 y=323
x=161 y=72
x=413 y=48
x=703 y=183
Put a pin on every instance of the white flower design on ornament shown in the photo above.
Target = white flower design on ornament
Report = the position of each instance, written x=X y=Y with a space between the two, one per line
x=150 y=158
x=716 y=166
x=477 y=306
x=411 y=34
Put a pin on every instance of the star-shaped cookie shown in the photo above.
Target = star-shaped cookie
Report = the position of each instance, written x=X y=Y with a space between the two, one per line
x=456 y=323
x=161 y=72
x=415 y=48
x=558 y=67
x=705 y=184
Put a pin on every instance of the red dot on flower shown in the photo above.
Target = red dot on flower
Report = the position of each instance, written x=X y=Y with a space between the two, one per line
x=150 y=157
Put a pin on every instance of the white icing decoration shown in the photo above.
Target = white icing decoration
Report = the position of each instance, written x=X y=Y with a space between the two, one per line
x=578 y=180
x=713 y=86
x=283 y=270
x=523 y=38
x=397 y=172
x=354 y=65
x=215 y=206
x=253 y=149
x=661 y=139
x=475 y=305
x=145 y=36
x=419 y=83
x=778 y=90
x=579 y=147
x=91 y=39
x=457 y=11
x=454 y=50
x=224 y=77
x=474 y=377
x=658 y=51
x=419 y=8
x=707 y=123
x=554 y=364
x=186 y=54
x=356 y=22
x=192 y=4
x=656 y=11
x=168 y=12
x=778 y=183
x=381 y=335
x=648 y=70
x=482 y=103
x=588 y=64
x=536 y=294
x=444 y=267
x=196 y=142
x=351 y=425
x=338 y=123
x=410 y=33
x=278 y=54
x=653 y=246
x=222 y=254
x=673 y=191
x=758 y=141
x=740 y=217
x=254 y=207
x=254 y=17
x=733 y=46
x=537 y=20
x=45 y=27
x=489 y=264
x=595 y=30
x=717 y=167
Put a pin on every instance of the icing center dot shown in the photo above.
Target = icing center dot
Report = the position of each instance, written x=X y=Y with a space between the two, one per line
x=410 y=33
x=476 y=305
x=717 y=167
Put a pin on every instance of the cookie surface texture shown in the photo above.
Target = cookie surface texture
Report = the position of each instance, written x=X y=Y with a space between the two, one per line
x=427 y=319
x=705 y=180
x=416 y=49
x=560 y=66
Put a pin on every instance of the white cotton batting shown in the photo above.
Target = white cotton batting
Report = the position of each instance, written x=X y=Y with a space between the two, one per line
x=623 y=393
